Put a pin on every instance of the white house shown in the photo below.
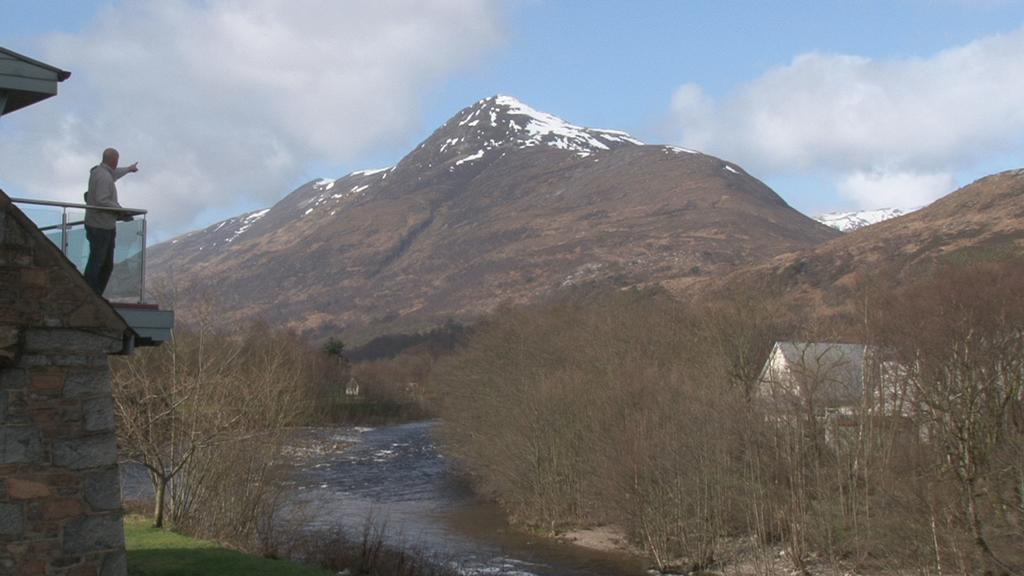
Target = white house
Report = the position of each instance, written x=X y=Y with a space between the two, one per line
x=827 y=374
x=836 y=382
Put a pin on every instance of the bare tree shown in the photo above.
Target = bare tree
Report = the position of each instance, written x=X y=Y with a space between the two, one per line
x=202 y=391
x=960 y=339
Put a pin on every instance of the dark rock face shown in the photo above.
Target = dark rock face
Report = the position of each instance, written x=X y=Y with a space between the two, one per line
x=500 y=204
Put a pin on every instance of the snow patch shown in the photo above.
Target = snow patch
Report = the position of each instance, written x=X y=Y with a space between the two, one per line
x=371 y=171
x=448 y=143
x=323 y=184
x=679 y=150
x=467 y=119
x=849 y=221
x=247 y=222
x=531 y=127
x=541 y=124
x=731 y=169
x=616 y=136
x=479 y=154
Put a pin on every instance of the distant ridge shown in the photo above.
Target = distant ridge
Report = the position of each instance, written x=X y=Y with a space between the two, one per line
x=981 y=222
x=850 y=221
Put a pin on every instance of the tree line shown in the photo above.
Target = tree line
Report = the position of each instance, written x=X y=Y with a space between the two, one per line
x=635 y=410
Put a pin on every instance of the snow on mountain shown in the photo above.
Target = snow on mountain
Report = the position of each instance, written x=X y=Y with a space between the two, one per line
x=503 y=121
x=849 y=221
x=543 y=128
x=247 y=221
x=328 y=194
x=498 y=122
x=225 y=231
x=371 y=171
x=324 y=192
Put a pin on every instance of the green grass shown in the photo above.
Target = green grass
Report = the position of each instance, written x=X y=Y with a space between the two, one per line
x=154 y=552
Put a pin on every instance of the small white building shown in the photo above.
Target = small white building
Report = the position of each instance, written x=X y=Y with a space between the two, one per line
x=821 y=375
x=838 y=384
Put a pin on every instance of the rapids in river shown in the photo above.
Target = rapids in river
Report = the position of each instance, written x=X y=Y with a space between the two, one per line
x=396 y=476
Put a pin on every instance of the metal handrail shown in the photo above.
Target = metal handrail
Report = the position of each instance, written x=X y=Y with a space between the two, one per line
x=132 y=211
x=66 y=225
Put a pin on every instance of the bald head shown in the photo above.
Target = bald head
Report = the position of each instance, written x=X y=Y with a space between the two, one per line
x=110 y=157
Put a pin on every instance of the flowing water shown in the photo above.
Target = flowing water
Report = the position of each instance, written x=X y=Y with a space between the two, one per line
x=396 y=476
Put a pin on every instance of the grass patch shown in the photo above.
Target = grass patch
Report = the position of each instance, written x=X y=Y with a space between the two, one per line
x=155 y=552
x=999 y=251
x=361 y=411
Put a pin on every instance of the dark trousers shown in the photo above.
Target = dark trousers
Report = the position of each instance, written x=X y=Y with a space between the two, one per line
x=101 y=257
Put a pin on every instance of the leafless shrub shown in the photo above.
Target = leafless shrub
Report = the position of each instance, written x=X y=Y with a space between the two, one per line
x=959 y=340
x=205 y=413
x=573 y=413
x=366 y=554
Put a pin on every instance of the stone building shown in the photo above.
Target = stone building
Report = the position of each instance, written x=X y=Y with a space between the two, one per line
x=60 y=499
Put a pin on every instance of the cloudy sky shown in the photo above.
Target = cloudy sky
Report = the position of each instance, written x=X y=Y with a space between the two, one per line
x=228 y=105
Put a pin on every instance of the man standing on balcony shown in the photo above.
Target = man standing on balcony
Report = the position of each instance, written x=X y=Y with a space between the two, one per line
x=101 y=225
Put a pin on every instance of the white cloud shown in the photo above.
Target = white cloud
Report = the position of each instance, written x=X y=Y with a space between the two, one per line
x=227 y=99
x=694 y=110
x=906 y=190
x=876 y=123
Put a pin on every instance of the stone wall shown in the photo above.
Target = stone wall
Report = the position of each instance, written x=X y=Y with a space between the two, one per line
x=60 y=500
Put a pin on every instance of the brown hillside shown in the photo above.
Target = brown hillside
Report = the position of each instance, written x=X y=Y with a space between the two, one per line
x=490 y=209
x=980 y=222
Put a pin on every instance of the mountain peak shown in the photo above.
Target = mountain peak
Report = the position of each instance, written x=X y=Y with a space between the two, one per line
x=503 y=122
x=529 y=127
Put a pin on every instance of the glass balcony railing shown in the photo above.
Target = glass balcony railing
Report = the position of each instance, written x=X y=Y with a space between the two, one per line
x=64 y=224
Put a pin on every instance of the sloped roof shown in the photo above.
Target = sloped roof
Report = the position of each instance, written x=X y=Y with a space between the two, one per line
x=85 y=309
x=815 y=355
x=834 y=369
x=24 y=81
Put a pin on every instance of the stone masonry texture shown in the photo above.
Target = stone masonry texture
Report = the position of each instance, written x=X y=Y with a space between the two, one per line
x=60 y=496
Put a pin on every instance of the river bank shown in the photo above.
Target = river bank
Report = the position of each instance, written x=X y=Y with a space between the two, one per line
x=599 y=538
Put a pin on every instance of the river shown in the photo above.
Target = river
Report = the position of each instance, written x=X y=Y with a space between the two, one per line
x=397 y=476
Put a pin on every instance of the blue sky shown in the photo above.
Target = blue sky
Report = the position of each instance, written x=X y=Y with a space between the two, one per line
x=836 y=105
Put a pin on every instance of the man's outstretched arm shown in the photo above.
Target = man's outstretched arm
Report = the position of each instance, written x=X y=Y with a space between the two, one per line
x=118 y=172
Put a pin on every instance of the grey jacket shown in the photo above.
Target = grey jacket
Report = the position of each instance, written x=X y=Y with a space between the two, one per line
x=103 y=192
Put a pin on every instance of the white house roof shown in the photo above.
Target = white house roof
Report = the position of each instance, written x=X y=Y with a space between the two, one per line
x=835 y=370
